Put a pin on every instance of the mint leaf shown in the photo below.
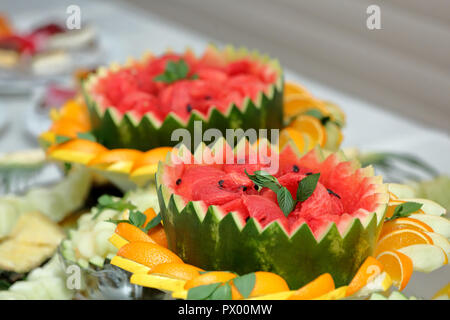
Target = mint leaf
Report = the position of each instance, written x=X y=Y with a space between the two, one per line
x=284 y=197
x=314 y=113
x=285 y=201
x=404 y=210
x=137 y=218
x=87 y=136
x=117 y=221
x=62 y=139
x=221 y=293
x=245 y=284
x=108 y=202
x=153 y=223
x=175 y=70
x=264 y=180
x=202 y=292
x=306 y=186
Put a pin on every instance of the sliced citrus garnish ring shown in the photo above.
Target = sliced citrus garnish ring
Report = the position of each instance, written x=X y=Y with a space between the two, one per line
x=315 y=289
x=76 y=150
x=301 y=140
x=180 y=271
x=116 y=155
x=401 y=223
x=117 y=241
x=402 y=238
x=398 y=265
x=151 y=157
x=157 y=282
x=297 y=104
x=132 y=233
x=370 y=268
x=312 y=127
x=147 y=254
x=291 y=88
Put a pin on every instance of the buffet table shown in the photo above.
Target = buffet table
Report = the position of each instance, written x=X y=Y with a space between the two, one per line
x=124 y=32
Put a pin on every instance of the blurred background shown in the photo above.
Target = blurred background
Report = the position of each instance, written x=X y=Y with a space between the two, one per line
x=393 y=83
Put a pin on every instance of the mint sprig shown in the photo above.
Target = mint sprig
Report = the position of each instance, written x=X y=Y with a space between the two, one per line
x=404 y=210
x=305 y=189
x=175 y=70
x=307 y=186
x=222 y=291
x=108 y=202
x=245 y=284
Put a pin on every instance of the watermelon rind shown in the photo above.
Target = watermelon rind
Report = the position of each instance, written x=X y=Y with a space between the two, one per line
x=207 y=239
x=128 y=131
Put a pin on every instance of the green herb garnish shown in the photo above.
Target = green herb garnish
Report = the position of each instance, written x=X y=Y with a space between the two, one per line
x=305 y=189
x=222 y=291
x=87 y=136
x=306 y=186
x=245 y=284
x=108 y=202
x=61 y=139
x=202 y=292
x=175 y=70
x=136 y=218
x=404 y=210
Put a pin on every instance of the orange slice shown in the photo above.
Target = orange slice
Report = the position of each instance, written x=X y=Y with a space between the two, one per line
x=69 y=128
x=116 y=155
x=312 y=127
x=296 y=104
x=265 y=283
x=401 y=238
x=291 y=88
x=365 y=274
x=401 y=223
x=76 y=150
x=301 y=141
x=156 y=233
x=316 y=288
x=73 y=110
x=398 y=265
x=151 y=157
x=177 y=270
x=132 y=233
x=148 y=254
x=209 y=278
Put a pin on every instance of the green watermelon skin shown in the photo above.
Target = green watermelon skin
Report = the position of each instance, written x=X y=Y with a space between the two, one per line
x=213 y=242
x=128 y=131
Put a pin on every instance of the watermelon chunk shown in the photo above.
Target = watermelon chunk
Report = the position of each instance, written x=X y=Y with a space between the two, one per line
x=334 y=230
x=222 y=89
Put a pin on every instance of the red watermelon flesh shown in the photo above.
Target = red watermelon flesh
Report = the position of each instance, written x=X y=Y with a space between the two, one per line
x=218 y=84
x=341 y=194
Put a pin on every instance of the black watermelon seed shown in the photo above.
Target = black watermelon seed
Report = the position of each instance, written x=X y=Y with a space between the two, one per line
x=256 y=187
x=246 y=219
x=308 y=173
x=178 y=182
x=333 y=193
x=244 y=188
x=295 y=168
x=221 y=183
x=189 y=108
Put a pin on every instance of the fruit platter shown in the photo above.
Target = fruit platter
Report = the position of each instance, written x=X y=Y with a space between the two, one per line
x=212 y=177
